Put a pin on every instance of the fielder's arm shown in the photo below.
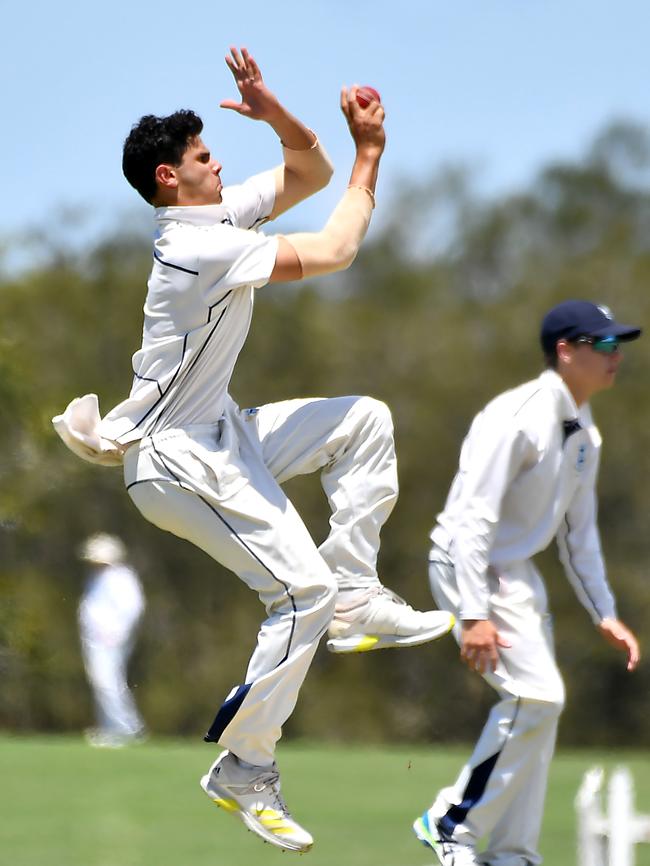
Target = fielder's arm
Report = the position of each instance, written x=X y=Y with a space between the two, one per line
x=491 y=457
x=581 y=555
x=580 y=550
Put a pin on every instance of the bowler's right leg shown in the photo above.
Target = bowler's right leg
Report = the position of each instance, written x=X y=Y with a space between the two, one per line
x=252 y=529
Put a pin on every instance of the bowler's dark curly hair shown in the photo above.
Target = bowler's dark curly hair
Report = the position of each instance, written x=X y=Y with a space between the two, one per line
x=155 y=140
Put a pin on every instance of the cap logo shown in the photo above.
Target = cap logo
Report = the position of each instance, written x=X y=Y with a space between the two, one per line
x=606 y=312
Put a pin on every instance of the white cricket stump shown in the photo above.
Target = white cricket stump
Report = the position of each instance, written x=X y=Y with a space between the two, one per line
x=609 y=837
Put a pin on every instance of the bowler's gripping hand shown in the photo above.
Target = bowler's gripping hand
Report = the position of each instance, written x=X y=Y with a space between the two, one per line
x=366 y=125
x=257 y=101
x=479 y=645
x=620 y=636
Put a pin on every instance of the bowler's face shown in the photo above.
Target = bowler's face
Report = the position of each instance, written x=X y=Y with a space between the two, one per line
x=198 y=177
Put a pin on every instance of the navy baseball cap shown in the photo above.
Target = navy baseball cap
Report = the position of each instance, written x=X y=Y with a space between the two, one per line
x=572 y=319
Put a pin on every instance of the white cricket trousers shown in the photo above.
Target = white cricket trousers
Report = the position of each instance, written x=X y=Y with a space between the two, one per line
x=500 y=792
x=105 y=663
x=219 y=487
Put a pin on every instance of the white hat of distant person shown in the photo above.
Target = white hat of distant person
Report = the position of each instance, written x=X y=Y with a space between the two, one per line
x=103 y=549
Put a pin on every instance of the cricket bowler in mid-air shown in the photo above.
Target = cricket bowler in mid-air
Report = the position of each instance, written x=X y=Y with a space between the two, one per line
x=199 y=467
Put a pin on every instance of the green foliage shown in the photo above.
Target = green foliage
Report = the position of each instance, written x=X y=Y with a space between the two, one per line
x=435 y=317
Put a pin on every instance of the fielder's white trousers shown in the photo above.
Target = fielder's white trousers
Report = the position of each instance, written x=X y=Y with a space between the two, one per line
x=219 y=487
x=501 y=790
x=105 y=664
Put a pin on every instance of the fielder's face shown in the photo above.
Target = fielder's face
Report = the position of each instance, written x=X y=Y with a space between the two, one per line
x=197 y=176
x=586 y=370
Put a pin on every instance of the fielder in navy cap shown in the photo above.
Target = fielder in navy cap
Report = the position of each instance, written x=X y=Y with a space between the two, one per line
x=572 y=320
x=527 y=476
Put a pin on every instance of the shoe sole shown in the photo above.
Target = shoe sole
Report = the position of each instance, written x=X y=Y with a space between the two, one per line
x=433 y=844
x=426 y=839
x=223 y=799
x=363 y=643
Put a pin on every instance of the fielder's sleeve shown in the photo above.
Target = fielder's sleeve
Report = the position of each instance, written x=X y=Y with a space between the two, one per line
x=492 y=456
x=580 y=550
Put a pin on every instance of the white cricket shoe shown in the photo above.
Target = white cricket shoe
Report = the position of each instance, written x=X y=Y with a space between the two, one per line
x=253 y=795
x=379 y=618
x=448 y=853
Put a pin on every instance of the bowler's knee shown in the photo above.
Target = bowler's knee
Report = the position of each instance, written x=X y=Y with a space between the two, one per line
x=319 y=596
x=330 y=591
x=377 y=412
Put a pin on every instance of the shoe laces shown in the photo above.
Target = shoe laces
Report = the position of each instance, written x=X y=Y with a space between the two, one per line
x=393 y=596
x=269 y=781
x=371 y=593
x=457 y=850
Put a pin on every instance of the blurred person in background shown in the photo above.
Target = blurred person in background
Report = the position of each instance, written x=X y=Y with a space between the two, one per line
x=527 y=474
x=109 y=612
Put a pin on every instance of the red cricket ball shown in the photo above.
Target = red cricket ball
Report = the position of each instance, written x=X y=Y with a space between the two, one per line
x=366 y=94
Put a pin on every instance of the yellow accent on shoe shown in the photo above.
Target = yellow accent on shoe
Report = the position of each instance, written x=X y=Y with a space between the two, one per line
x=228 y=805
x=274 y=821
x=367 y=642
x=284 y=830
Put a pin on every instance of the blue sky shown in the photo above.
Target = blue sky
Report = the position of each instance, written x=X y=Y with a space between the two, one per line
x=502 y=85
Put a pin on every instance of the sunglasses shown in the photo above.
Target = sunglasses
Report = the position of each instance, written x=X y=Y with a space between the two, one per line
x=606 y=345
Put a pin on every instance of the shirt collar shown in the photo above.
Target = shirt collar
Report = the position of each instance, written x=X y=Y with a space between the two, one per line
x=566 y=405
x=197 y=215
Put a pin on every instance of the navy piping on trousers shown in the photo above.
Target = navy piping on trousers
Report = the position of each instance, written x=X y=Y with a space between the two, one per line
x=239 y=539
x=474 y=790
x=226 y=714
x=142 y=481
x=243 y=544
x=230 y=707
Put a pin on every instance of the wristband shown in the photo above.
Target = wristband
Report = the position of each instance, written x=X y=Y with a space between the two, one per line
x=365 y=189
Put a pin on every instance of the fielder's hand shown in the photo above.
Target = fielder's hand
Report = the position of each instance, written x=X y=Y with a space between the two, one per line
x=619 y=636
x=479 y=645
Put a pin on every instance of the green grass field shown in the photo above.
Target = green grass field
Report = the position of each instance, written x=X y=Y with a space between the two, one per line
x=65 y=804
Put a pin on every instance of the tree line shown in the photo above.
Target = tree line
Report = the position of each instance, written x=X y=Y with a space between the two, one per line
x=438 y=314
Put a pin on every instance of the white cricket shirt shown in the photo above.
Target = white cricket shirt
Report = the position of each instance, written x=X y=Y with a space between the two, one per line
x=112 y=603
x=207 y=262
x=527 y=474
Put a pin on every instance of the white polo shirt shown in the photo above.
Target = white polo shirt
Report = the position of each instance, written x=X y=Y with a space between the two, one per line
x=197 y=313
x=527 y=474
